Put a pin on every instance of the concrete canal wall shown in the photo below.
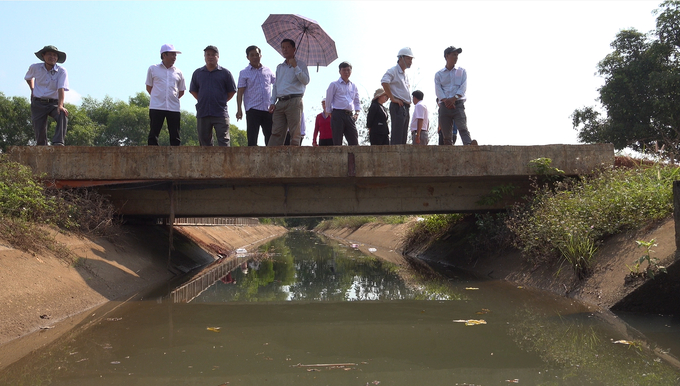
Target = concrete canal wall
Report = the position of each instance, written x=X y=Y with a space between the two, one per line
x=41 y=293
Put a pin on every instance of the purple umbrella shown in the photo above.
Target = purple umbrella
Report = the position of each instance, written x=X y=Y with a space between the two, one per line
x=312 y=44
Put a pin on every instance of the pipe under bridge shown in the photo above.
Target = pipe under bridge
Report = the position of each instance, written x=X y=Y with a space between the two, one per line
x=190 y=181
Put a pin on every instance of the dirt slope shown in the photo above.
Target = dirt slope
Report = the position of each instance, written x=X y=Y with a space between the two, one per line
x=37 y=291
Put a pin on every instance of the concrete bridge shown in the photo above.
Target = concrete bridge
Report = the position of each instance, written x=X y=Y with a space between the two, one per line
x=304 y=181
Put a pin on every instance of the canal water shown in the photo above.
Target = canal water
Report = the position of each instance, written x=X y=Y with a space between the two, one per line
x=307 y=310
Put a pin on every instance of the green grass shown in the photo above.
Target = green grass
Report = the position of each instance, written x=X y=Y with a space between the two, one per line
x=431 y=228
x=354 y=222
x=567 y=219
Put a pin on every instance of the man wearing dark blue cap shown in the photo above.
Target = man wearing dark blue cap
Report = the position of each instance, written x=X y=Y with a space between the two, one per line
x=450 y=84
x=48 y=82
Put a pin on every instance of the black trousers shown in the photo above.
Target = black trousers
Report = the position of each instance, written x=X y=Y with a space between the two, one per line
x=255 y=119
x=156 y=118
x=40 y=111
x=378 y=138
x=342 y=124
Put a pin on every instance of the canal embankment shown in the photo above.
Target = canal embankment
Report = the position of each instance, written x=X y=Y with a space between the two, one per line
x=609 y=285
x=43 y=296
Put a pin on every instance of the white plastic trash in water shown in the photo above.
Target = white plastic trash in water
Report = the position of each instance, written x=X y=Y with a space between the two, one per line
x=372 y=250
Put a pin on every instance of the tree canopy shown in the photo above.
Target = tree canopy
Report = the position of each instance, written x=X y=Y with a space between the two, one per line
x=641 y=93
x=99 y=123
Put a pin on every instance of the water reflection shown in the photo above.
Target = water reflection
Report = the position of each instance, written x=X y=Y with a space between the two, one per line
x=312 y=312
x=319 y=271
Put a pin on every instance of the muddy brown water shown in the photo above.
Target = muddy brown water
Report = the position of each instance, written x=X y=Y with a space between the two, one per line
x=315 y=312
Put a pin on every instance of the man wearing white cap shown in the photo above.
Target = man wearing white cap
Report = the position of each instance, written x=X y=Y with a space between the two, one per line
x=395 y=82
x=165 y=84
x=48 y=82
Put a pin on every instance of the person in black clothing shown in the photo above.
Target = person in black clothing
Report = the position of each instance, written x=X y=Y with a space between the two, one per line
x=376 y=120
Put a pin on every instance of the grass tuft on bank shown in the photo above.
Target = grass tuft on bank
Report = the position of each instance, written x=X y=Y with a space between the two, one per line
x=567 y=220
x=27 y=207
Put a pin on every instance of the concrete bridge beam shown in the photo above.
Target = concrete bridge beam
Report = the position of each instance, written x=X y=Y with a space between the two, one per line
x=304 y=181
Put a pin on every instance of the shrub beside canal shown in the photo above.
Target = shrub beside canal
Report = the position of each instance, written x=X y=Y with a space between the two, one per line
x=26 y=206
x=567 y=220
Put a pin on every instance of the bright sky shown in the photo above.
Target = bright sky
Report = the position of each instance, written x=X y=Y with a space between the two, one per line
x=529 y=63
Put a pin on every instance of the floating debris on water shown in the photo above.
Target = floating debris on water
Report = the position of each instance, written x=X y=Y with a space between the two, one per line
x=471 y=288
x=328 y=366
x=214 y=329
x=624 y=342
x=372 y=250
x=470 y=322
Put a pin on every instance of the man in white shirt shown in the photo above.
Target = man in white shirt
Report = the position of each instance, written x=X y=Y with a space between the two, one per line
x=255 y=91
x=165 y=85
x=292 y=78
x=342 y=102
x=48 y=82
x=395 y=82
x=450 y=85
x=420 y=121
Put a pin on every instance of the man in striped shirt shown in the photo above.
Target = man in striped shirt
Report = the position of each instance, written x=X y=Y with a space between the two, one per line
x=255 y=91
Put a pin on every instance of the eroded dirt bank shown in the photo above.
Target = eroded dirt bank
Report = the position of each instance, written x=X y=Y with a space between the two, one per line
x=38 y=291
x=606 y=287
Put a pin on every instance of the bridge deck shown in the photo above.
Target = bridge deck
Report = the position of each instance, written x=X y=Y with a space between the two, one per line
x=303 y=181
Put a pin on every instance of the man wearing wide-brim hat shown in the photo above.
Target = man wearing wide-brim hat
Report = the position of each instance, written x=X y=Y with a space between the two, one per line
x=48 y=82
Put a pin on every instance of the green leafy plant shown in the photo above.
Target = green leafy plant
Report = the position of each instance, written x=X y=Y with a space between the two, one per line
x=548 y=174
x=653 y=267
x=542 y=166
x=497 y=194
